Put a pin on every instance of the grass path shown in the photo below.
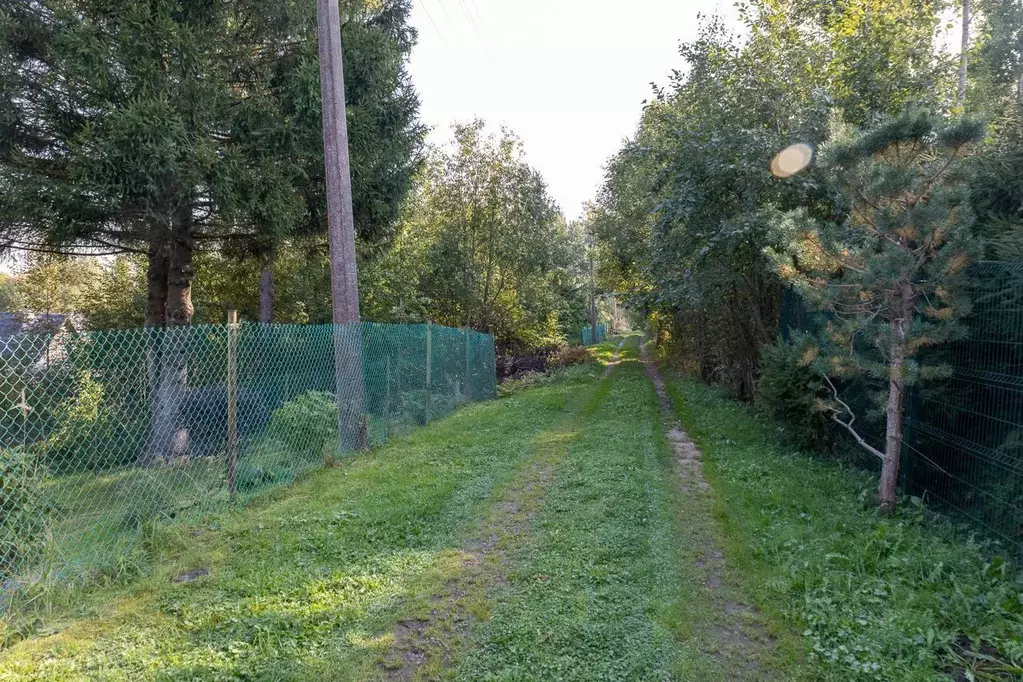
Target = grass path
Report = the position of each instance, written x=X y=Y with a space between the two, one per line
x=541 y=536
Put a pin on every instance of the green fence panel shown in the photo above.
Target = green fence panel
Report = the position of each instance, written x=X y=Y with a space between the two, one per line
x=963 y=446
x=586 y=335
x=964 y=438
x=105 y=433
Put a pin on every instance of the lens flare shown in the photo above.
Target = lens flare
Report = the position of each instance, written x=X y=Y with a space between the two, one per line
x=791 y=160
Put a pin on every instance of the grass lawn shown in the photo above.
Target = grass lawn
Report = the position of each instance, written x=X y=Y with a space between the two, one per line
x=901 y=598
x=542 y=536
x=517 y=537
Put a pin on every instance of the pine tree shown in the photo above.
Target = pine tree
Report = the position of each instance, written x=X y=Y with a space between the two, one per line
x=892 y=276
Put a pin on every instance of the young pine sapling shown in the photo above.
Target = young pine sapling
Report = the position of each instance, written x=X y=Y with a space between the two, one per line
x=891 y=277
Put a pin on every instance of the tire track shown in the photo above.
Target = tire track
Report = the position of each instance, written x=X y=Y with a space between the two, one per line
x=429 y=644
x=738 y=641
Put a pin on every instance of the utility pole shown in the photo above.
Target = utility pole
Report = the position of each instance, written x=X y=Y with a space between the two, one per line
x=964 y=55
x=344 y=283
x=593 y=301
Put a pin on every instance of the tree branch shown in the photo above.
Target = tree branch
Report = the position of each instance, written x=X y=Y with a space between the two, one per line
x=852 y=419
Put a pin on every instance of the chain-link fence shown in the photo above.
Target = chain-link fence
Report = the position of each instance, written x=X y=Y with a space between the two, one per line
x=106 y=433
x=963 y=445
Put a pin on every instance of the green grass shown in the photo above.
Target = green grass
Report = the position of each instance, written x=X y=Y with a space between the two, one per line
x=543 y=536
x=98 y=521
x=598 y=591
x=304 y=584
x=875 y=598
x=311 y=582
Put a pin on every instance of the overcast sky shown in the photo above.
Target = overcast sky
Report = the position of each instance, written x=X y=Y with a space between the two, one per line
x=568 y=76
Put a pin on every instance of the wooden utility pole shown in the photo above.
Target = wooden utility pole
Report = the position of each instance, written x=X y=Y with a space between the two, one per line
x=593 y=302
x=344 y=284
x=964 y=55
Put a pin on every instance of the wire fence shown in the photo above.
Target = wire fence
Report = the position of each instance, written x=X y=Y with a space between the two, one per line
x=587 y=337
x=963 y=445
x=963 y=450
x=105 y=434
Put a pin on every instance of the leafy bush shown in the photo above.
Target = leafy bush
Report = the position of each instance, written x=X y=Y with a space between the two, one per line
x=789 y=391
x=570 y=355
x=22 y=510
x=91 y=432
x=306 y=424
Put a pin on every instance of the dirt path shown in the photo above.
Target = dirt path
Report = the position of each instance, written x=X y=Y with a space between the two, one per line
x=427 y=645
x=738 y=640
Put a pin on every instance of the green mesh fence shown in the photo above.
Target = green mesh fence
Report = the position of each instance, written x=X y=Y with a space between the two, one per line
x=963 y=446
x=105 y=433
x=964 y=438
x=586 y=334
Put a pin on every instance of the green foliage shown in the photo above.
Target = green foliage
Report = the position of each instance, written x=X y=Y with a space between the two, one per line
x=893 y=275
x=23 y=510
x=996 y=188
x=306 y=425
x=88 y=432
x=684 y=214
x=9 y=302
x=790 y=392
x=254 y=476
x=489 y=247
x=221 y=146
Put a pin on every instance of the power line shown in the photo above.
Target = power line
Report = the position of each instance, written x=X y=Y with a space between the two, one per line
x=472 y=22
x=435 y=27
x=476 y=11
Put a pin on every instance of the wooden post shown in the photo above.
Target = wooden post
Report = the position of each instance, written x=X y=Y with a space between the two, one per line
x=429 y=363
x=468 y=368
x=232 y=403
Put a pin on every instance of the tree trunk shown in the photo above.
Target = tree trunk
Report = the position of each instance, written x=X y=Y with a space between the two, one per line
x=887 y=486
x=156 y=285
x=180 y=273
x=168 y=437
x=267 y=292
x=964 y=54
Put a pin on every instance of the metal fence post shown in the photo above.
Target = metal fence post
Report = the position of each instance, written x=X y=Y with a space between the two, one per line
x=387 y=400
x=232 y=403
x=468 y=366
x=429 y=363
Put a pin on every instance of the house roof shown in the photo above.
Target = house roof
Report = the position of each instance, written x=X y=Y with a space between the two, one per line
x=28 y=333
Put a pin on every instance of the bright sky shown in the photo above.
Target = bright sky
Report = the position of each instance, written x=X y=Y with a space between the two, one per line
x=568 y=76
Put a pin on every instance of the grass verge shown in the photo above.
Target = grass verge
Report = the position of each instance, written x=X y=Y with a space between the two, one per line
x=876 y=598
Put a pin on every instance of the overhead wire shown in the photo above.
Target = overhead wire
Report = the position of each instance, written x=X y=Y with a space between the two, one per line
x=472 y=22
x=436 y=28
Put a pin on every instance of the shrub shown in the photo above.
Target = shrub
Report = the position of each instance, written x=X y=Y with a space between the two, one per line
x=306 y=424
x=571 y=355
x=789 y=391
x=22 y=510
x=90 y=432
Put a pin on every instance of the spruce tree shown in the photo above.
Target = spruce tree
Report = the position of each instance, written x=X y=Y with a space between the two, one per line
x=892 y=275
